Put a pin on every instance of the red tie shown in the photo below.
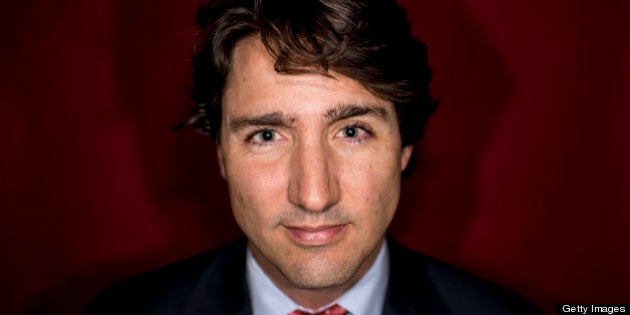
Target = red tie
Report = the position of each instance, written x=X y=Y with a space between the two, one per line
x=333 y=310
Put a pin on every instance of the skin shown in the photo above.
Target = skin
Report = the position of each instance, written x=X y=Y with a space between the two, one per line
x=313 y=166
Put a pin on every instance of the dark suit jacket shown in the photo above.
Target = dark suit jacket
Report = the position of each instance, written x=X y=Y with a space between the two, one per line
x=214 y=283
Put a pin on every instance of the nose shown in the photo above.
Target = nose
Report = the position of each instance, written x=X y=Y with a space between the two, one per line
x=313 y=185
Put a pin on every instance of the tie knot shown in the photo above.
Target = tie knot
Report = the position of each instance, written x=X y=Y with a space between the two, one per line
x=333 y=310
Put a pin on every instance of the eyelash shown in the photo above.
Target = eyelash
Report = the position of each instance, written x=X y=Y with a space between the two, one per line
x=358 y=139
x=250 y=136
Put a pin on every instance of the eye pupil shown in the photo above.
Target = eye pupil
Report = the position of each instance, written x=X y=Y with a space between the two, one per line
x=267 y=135
x=350 y=131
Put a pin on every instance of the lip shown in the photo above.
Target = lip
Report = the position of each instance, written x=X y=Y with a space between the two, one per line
x=315 y=235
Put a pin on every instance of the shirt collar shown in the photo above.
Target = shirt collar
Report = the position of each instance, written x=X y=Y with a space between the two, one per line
x=367 y=296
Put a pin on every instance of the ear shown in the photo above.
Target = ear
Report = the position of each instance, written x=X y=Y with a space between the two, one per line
x=405 y=156
x=220 y=159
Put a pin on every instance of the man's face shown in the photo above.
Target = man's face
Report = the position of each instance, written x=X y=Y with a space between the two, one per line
x=313 y=169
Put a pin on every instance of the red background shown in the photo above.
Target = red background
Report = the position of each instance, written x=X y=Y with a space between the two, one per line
x=522 y=176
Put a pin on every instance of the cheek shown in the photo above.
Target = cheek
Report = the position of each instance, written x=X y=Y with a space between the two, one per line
x=372 y=182
x=255 y=189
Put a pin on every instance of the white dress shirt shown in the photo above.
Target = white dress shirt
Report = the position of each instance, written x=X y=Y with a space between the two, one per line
x=366 y=297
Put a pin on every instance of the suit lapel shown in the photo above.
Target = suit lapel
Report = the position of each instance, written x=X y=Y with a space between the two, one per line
x=222 y=289
x=410 y=290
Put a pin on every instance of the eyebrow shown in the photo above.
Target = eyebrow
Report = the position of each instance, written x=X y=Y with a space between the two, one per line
x=348 y=111
x=277 y=118
x=270 y=119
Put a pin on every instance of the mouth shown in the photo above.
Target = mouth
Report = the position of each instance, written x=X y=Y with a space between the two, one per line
x=315 y=235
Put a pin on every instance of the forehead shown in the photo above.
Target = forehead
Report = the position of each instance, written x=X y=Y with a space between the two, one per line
x=254 y=84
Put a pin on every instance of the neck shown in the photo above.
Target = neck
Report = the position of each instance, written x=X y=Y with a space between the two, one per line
x=315 y=298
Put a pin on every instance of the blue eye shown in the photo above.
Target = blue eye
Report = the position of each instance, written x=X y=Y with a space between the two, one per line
x=266 y=135
x=350 y=131
x=354 y=133
x=263 y=137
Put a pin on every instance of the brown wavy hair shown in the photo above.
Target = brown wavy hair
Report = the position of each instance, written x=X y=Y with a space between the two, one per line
x=366 y=40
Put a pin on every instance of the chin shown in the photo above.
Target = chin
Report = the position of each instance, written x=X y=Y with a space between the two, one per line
x=320 y=272
x=313 y=280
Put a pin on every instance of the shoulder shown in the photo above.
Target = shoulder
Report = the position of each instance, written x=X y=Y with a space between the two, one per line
x=449 y=289
x=178 y=286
